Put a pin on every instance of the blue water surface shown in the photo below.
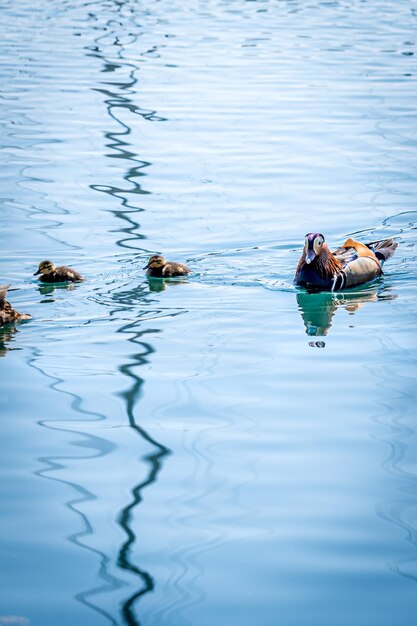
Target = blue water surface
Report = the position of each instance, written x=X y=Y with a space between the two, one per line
x=223 y=449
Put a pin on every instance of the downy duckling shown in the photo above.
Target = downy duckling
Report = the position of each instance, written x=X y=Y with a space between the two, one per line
x=159 y=268
x=8 y=315
x=352 y=264
x=50 y=273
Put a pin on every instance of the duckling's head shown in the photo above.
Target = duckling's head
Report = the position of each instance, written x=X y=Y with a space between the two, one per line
x=313 y=246
x=155 y=261
x=45 y=267
x=3 y=293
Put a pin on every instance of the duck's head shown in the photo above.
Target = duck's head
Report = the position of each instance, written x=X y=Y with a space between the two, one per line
x=313 y=246
x=45 y=267
x=155 y=261
x=3 y=294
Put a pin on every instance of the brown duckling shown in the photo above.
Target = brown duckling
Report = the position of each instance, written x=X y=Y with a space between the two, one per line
x=7 y=313
x=352 y=264
x=158 y=267
x=50 y=273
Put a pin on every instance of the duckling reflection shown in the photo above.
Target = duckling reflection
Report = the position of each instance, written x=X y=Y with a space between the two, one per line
x=160 y=284
x=48 y=289
x=6 y=336
x=318 y=308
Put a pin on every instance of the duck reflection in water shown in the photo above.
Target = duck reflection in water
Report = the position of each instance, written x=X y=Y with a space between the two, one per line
x=317 y=308
x=47 y=290
x=160 y=284
x=7 y=334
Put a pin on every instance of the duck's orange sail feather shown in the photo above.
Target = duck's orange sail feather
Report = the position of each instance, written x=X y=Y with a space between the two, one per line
x=361 y=249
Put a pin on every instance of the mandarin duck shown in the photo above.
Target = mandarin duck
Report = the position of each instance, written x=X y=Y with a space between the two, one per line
x=157 y=267
x=8 y=315
x=352 y=264
x=50 y=273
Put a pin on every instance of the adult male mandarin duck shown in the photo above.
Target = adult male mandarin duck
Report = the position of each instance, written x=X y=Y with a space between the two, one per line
x=352 y=264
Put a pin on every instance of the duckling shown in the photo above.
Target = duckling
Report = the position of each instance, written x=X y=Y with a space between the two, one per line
x=352 y=264
x=7 y=313
x=158 y=267
x=50 y=273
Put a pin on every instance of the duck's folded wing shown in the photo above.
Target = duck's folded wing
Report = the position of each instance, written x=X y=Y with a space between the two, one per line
x=345 y=255
x=352 y=250
x=359 y=263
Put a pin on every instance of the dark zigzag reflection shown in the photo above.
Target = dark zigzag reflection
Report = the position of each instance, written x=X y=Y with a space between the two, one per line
x=116 y=97
x=155 y=460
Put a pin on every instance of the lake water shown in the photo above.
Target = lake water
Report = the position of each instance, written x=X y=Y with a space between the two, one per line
x=226 y=449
